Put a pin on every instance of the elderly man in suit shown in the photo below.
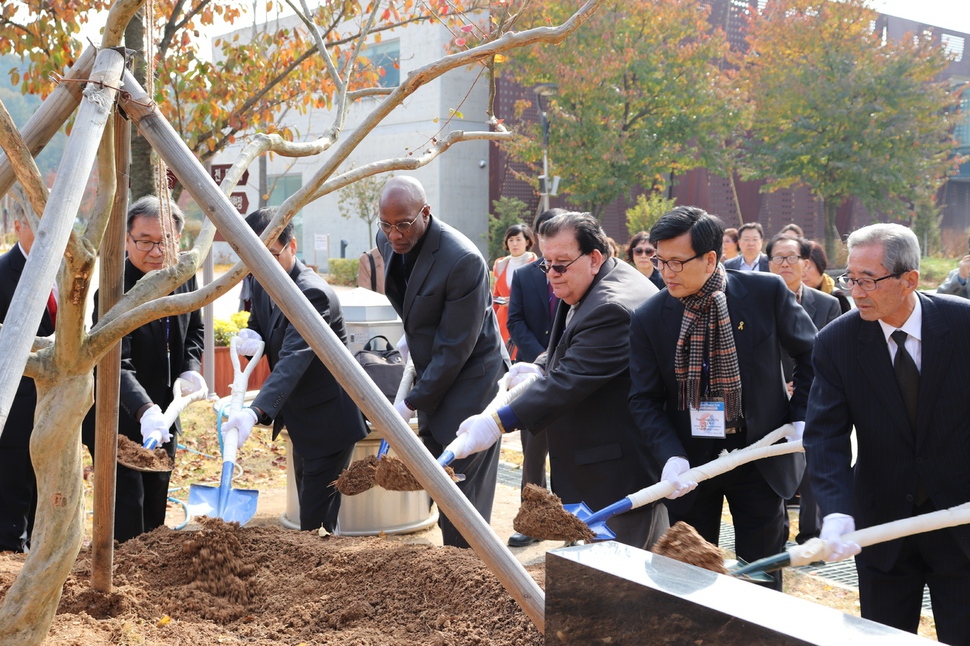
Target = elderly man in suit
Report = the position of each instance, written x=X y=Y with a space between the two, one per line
x=598 y=454
x=322 y=420
x=437 y=281
x=18 y=488
x=532 y=308
x=895 y=369
x=789 y=257
x=705 y=364
x=750 y=238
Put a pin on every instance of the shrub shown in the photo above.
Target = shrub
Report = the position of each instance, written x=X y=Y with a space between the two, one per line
x=645 y=213
x=224 y=330
x=343 y=271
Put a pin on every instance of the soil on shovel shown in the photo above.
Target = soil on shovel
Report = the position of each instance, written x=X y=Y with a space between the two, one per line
x=393 y=475
x=358 y=477
x=269 y=586
x=683 y=543
x=134 y=456
x=542 y=516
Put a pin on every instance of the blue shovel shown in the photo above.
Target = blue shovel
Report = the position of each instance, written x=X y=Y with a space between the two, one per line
x=231 y=505
x=763 y=448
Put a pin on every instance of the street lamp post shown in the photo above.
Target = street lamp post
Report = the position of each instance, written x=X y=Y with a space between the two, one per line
x=544 y=90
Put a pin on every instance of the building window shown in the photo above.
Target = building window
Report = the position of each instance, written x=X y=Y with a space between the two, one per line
x=280 y=188
x=386 y=59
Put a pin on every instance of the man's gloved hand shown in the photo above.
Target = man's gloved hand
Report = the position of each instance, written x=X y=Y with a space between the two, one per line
x=151 y=421
x=402 y=347
x=243 y=422
x=475 y=434
x=834 y=527
x=674 y=468
x=248 y=342
x=521 y=371
x=799 y=432
x=403 y=410
x=192 y=382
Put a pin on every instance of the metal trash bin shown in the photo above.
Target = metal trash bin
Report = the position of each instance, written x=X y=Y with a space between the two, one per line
x=368 y=314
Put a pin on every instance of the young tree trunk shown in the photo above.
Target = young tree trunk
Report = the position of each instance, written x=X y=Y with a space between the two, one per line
x=55 y=450
x=830 y=207
x=142 y=177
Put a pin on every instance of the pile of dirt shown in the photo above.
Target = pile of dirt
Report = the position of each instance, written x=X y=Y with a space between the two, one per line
x=267 y=585
x=358 y=477
x=394 y=475
x=683 y=543
x=132 y=455
x=542 y=516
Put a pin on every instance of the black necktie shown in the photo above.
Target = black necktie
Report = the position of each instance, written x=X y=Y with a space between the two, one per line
x=907 y=375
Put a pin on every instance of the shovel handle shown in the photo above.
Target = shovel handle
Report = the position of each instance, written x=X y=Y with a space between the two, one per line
x=240 y=379
x=173 y=411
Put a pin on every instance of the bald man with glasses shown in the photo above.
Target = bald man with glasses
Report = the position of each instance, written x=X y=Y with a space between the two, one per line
x=437 y=281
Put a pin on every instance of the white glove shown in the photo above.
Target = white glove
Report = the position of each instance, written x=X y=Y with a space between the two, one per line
x=674 y=468
x=152 y=421
x=192 y=382
x=475 y=434
x=834 y=527
x=521 y=371
x=248 y=343
x=243 y=422
x=799 y=432
x=403 y=410
x=402 y=347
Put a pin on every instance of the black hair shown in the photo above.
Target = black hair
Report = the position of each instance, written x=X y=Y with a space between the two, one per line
x=706 y=230
x=259 y=219
x=515 y=230
x=589 y=234
x=804 y=246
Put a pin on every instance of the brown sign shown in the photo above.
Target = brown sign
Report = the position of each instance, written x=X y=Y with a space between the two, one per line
x=241 y=201
x=219 y=172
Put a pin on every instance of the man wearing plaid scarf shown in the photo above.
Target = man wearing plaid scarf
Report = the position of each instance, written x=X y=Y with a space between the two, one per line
x=712 y=342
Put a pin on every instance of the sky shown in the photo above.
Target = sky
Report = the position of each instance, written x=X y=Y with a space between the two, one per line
x=952 y=14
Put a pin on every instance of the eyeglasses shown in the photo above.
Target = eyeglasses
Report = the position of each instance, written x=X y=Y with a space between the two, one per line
x=867 y=284
x=791 y=260
x=545 y=267
x=277 y=254
x=402 y=227
x=643 y=251
x=146 y=246
x=675 y=266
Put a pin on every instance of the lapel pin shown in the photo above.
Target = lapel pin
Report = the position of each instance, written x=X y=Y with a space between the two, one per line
x=741 y=325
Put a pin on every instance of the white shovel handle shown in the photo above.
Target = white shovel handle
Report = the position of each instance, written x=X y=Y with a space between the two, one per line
x=240 y=378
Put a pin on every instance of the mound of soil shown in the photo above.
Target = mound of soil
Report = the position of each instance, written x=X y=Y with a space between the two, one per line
x=358 y=477
x=683 y=543
x=267 y=585
x=393 y=475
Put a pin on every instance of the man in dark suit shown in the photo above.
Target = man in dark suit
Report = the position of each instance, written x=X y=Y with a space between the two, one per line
x=895 y=369
x=532 y=307
x=152 y=358
x=712 y=342
x=18 y=488
x=750 y=238
x=788 y=257
x=437 y=281
x=597 y=452
x=300 y=393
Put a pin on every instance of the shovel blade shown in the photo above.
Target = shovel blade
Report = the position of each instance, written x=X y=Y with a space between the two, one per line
x=582 y=511
x=239 y=505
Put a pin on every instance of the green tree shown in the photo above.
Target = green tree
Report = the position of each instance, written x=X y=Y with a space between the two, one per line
x=642 y=91
x=645 y=213
x=361 y=199
x=845 y=113
x=506 y=211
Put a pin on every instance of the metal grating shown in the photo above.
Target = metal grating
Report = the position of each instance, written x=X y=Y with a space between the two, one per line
x=843 y=573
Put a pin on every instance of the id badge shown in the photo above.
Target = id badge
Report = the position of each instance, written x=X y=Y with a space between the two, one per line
x=708 y=419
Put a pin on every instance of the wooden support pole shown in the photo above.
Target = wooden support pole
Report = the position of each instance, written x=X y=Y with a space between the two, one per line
x=318 y=335
x=111 y=289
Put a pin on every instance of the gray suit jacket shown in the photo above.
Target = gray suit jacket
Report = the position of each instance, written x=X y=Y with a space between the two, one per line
x=597 y=453
x=822 y=309
x=952 y=285
x=451 y=330
x=764 y=319
x=855 y=386
x=300 y=393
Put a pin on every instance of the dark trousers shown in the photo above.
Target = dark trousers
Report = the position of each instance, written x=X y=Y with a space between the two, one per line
x=535 y=448
x=481 y=471
x=809 y=520
x=319 y=499
x=894 y=598
x=18 y=498
x=140 y=502
x=758 y=512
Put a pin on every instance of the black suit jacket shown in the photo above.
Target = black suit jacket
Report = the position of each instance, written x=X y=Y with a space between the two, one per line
x=20 y=419
x=765 y=319
x=822 y=309
x=451 y=329
x=735 y=263
x=530 y=320
x=300 y=392
x=597 y=454
x=855 y=386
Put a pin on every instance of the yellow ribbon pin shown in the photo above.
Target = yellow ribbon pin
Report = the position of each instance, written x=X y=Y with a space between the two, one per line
x=741 y=325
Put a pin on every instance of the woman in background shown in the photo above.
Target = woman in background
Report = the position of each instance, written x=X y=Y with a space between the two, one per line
x=639 y=253
x=816 y=278
x=518 y=242
x=729 y=244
